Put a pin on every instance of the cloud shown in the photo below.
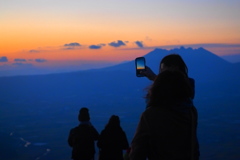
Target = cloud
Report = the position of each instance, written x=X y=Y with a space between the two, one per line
x=20 y=60
x=3 y=59
x=139 y=44
x=117 y=44
x=68 y=48
x=96 y=46
x=40 y=60
x=23 y=64
x=34 y=51
x=73 y=44
x=205 y=45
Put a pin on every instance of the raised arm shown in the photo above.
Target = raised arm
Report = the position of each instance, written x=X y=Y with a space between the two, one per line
x=149 y=73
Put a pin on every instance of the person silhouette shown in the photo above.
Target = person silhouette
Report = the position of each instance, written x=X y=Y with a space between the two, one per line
x=112 y=140
x=82 y=137
x=167 y=128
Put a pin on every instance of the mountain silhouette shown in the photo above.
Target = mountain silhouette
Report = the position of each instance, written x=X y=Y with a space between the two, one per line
x=203 y=66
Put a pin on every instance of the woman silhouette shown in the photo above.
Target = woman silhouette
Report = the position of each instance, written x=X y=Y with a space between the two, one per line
x=112 y=140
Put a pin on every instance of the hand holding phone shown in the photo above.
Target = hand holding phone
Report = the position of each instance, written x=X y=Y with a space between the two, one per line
x=140 y=64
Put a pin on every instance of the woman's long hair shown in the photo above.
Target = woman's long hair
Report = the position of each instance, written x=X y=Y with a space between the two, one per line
x=170 y=87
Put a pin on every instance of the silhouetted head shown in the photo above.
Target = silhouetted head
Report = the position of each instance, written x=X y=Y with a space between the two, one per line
x=173 y=62
x=83 y=115
x=169 y=87
x=113 y=122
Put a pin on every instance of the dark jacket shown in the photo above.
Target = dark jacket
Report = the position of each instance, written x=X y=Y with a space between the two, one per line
x=81 y=139
x=192 y=83
x=112 y=142
x=166 y=133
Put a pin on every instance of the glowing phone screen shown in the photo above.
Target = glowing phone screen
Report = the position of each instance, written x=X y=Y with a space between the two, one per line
x=140 y=63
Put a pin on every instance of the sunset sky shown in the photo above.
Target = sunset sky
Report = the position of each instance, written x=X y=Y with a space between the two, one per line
x=64 y=35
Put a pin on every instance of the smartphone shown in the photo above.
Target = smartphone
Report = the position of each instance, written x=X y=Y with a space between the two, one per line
x=140 y=64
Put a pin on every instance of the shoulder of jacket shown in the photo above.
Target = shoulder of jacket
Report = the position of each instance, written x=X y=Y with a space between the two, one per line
x=155 y=109
x=73 y=130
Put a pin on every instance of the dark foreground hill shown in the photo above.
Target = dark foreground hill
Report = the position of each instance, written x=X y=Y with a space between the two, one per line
x=38 y=111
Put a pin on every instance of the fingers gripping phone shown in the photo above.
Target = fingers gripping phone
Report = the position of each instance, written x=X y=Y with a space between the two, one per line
x=140 y=64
